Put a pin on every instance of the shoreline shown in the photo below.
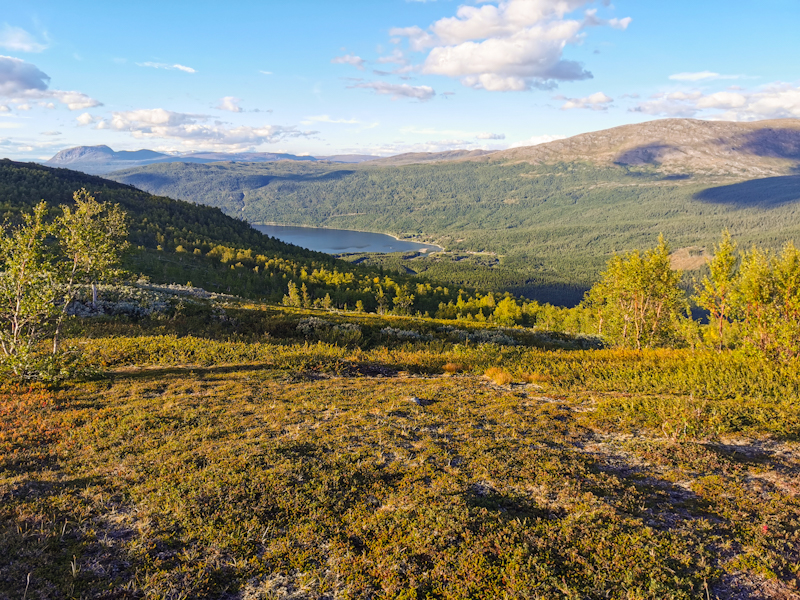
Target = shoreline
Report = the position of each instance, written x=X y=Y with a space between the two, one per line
x=391 y=235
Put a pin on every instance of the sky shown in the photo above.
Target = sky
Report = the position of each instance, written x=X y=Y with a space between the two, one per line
x=381 y=77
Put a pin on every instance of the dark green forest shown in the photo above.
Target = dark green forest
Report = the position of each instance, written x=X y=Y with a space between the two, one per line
x=174 y=241
x=550 y=227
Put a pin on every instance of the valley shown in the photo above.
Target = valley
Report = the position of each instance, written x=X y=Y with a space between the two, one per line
x=553 y=213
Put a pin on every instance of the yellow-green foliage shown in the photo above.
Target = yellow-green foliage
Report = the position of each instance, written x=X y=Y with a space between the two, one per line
x=231 y=463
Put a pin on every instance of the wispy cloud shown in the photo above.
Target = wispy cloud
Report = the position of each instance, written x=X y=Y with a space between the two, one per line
x=597 y=101
x=349 y=59
x=774 y=101
x=195 y=131
x=175 y=67
x=702 y=76
x=328 y=119
x=17 y=39
x=491 y=136
x=397 y=91
x=230 y=103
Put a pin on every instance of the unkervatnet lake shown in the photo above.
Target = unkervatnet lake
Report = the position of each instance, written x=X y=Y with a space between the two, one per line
x=342 y=241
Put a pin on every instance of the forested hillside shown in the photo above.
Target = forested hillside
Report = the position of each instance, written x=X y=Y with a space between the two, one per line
x=181 y=242
x=552 y=227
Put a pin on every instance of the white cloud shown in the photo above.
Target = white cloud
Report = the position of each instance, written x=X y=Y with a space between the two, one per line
x=24 y=106
x=85 y=119
x=537 y=139
x=22 y=81
x=349 y=59
x=175 y=67
x=4 y=108
x=266 y=72
x=194 y=131
x=18 y=77
x=400 y=147
x=73 y=100
x=328 y=119
x=230 y=103
x=491 y=136
x=17 y=39
x=397 y=91
x=701 y=76
x=774 y=101
x=51 y=133
x=397 y=57
x=510 y=45
x=597 y=101
x=592 y=20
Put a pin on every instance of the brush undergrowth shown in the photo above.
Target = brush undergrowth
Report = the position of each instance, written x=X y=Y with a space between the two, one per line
x=258 y=462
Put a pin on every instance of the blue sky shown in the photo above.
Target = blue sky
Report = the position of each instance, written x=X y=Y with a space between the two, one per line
x=381 y=76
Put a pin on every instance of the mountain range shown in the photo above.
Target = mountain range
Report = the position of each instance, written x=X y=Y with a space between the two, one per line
x=99 y=160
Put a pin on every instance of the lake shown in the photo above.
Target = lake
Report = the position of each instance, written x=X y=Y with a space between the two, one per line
x=342 y=241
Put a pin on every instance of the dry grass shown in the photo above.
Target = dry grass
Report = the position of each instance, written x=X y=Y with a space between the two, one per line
x=499 y=375
x=536 y=378
x=452 y=368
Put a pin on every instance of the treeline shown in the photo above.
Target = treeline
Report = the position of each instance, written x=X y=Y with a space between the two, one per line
x=750 y=299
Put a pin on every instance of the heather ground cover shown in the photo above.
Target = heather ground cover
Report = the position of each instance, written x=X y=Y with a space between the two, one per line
x=273 y=464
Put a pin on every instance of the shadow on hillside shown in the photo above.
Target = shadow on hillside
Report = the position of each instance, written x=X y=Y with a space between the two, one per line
x=150 y=181
x=776 y=143
x=770 y=192
x=649 y=154
x=302 y=177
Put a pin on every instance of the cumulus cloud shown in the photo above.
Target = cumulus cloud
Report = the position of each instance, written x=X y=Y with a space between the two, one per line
x=22 y=81
x=18 y=77
x=774 y=101
x=536 y=140
x=349 y=59
x=175 y=67
x=4 y=108
x=17 y=39
x=511 y=45
x=85 y=119
x=491 y=136
x=230 y=103
x=194 y=130
x=397 y=91
x=597 y=101
x=701 y=76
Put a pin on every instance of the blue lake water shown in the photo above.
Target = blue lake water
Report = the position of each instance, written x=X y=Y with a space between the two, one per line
x=342 y=241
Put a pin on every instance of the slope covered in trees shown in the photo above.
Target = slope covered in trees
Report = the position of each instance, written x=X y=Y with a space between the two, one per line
x=180 y=242
x=553 y=226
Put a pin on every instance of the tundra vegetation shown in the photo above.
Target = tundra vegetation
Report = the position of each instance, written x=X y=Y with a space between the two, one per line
x=217 y=445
